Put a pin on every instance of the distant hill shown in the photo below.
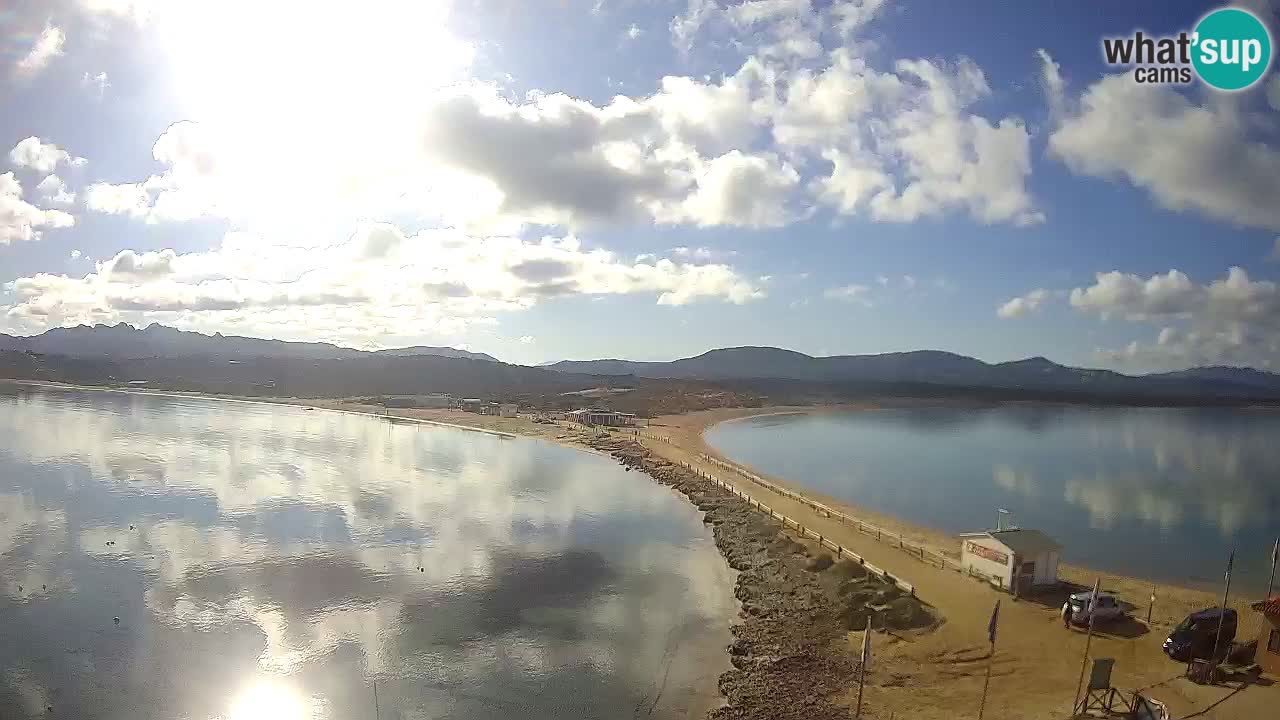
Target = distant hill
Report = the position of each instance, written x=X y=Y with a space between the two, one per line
x=938 y=368
x=437 y=351
x=124 y=341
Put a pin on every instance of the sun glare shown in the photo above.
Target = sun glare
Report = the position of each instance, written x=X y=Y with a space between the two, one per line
x=292 y=92
x=269 y=700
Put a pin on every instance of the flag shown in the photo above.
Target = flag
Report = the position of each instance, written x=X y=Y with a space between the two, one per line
x=1230 y=561
x=995 y=620
x=1093 y=600
x=1275 y=554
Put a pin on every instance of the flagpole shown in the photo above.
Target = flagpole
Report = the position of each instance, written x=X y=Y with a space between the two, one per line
x=991 y=635
x=1222 y=616
x=1088 y=640
x=1275 y=554
x=987 y=683
x=862 y=666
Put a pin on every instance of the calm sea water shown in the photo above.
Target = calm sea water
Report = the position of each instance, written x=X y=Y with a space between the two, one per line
x=1157 y=493
x=183 y=558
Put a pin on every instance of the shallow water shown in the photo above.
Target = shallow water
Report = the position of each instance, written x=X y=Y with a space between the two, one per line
x=270 y=562
x=1156 y=493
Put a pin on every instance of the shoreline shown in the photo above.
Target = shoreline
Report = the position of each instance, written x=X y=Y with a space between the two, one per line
x=939 y=540
x=923 y=674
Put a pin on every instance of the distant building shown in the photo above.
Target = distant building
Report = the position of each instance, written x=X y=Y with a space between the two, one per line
x=1017 y=560
x=430 y=400
x=606 y=418
x=507 y=410
x=1268 y=652
x=472 y=404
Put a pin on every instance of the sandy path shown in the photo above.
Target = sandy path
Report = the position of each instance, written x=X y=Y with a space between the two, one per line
x=1037 y=663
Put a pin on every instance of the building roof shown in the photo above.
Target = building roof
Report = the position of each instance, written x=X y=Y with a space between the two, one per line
x=1027 y=543
x=1268 y=607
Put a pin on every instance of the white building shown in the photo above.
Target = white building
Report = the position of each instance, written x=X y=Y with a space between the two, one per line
x=1017 y=560
x=507 y=410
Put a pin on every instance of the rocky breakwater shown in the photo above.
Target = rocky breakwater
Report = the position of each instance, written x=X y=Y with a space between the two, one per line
x=792 y=657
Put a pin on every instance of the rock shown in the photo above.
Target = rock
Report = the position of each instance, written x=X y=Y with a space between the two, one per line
x=820 y=563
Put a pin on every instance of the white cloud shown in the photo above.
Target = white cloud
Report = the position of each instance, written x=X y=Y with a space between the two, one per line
x=75 y=254
x=1126 y=295
x=54 y=189
x=684 y=28
x=99 y=82
x=20 y=220
x=46 y=47
x=124 y=199
x=858 y=294
x=377 y=282
x=193 y=183
x=741 y=190
x=634 y=31
x=526 y=339
x=738 y=150
x=1188 y=156
x=784 y=29
x=1024 y=305
x=1234 y=320
x=40 y=156
x=1052 y=84
x=902 y=145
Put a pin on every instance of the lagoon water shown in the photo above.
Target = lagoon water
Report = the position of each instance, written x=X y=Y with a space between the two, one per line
x=170 y=557
x=1156 y=493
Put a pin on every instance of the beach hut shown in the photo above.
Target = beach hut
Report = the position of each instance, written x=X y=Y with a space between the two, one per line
x=508 y=410
x=1017 y=560
x=1268 y=653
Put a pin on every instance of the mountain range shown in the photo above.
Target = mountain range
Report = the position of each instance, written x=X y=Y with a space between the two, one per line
x=935 y=367
x=147 y=354
x=126 y=342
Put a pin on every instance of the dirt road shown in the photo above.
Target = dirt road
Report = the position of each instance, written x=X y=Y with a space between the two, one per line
x=1037 y=663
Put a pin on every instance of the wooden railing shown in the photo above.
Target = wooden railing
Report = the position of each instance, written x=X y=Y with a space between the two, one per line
x=912 y=549
x=834 y=547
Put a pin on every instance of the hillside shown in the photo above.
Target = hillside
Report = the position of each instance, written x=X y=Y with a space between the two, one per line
x=123 y=341
x=935 y=367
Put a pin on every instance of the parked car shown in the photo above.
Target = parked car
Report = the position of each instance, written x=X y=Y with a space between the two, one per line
x=1106 y=608
x=1195 y=635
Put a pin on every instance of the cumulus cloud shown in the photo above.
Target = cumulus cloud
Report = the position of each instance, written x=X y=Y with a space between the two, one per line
x=376 y=282
x=1023 y=305
x=902 y=145
x=46 y=47
x=20 y=220
x=1204 y=158
x=1234 y=320
x=54 y=189
x=190 y=186
x=40 y=156
x=742 y=190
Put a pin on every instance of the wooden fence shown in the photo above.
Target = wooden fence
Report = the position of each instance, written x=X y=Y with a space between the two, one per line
x=917 y=551
x=839 y=550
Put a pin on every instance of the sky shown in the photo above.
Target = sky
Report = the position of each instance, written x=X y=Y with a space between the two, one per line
x=642 y=180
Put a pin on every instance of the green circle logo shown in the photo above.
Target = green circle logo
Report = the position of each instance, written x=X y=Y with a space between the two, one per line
x=1231 y=49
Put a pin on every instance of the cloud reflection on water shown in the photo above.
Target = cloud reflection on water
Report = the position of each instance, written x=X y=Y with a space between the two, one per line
x=334 y=548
